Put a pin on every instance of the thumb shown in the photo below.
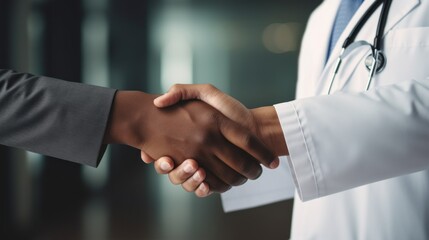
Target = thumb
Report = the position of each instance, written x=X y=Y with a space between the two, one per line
x=209 y=94
x=181 y=92
x=173 y=96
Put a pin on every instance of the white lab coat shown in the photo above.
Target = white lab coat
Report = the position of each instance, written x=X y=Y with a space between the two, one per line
x=361 y=157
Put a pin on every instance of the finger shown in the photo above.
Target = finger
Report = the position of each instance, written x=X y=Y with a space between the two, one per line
x=243 y=139
x=164 y=165
x=183 y=172
x=275 y=164
x=203 y=190
x=215 y=184
x=221 y=170
x=240 y=161
x=194 y=181
x=146 y=158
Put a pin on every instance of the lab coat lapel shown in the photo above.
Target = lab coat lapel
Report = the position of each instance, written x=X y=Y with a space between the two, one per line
x=316 y=39
x=398 y=10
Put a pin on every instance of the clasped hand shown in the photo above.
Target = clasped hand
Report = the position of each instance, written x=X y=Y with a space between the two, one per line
x=251 y=144
x=228 y=151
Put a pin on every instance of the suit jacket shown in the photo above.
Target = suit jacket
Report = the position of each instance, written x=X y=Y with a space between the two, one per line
x=53 y=117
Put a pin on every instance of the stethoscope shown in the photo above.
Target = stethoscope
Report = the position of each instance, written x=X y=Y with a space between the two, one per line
x=376 y=60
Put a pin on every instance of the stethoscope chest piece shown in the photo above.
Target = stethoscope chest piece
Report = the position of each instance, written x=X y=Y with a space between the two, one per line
x=380 y=62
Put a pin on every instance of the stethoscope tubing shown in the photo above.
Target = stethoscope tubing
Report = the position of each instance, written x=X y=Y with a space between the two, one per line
x=375 y=47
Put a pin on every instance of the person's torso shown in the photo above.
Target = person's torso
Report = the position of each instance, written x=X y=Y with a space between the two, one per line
x=392 y=209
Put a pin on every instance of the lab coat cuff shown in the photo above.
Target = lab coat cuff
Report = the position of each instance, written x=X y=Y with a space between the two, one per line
x=300 y=161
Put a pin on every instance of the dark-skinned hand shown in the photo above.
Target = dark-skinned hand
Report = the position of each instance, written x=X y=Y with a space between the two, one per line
x=229 y=153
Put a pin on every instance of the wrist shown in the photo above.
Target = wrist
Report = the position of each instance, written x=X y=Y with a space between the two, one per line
x=270 y=129
x=127 y=114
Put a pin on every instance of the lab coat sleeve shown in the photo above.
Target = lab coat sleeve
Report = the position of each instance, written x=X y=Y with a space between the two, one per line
x=53 y=117
x=345 y=140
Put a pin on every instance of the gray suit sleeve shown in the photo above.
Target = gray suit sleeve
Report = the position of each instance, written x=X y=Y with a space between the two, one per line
x=52 y=117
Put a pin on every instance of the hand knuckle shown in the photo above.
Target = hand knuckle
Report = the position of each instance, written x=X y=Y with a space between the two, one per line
x=209 y=87
x=247 y=140
x=174 y=180
x=187 y=188
x=201 y=138
x=175 y=87
x=199 y=194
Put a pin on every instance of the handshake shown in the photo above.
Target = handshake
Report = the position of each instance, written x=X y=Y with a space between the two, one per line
x=206 y=146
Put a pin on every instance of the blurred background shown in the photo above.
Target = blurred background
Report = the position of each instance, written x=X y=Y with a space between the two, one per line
x=247 y=48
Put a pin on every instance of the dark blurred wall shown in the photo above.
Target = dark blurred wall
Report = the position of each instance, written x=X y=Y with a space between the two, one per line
x=61 y=181
x=5 y=26
x=5 y=191
x=6 y=216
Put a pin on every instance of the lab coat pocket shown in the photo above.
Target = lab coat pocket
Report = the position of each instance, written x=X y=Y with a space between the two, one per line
x=409 y=38
x=407 y=53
